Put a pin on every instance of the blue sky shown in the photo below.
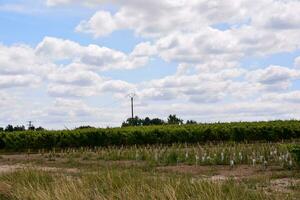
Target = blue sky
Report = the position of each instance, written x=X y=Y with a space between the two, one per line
x=68 y=62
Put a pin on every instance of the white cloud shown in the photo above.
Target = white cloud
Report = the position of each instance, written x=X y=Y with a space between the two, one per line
x=144 y=49
x=20 y=67
x=297 y=62
x=19 y=59
x=278 y=15
x=61 y=90
x=157 y=18
x=24 y=66
x=93 y=56
x=274 y=77
x=76 y=80
x=57 y=2
x=8 y=81
x=101 y=19
x=207 y=39
x=206 y=87
x=75 y=74
x=57 y=49
x=288 y=97
x=182 y=30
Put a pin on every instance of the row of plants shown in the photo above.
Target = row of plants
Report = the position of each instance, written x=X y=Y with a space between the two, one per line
x=255 y=154
x=143 y=135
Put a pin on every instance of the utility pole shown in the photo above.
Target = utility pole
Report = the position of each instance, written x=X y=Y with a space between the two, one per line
x=30 y=125
x=132 y=95
x=132 y=107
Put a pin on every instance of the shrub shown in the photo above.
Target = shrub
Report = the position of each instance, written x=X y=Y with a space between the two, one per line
x=295 y=151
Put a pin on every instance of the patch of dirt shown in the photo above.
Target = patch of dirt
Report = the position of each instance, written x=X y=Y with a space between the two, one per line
x=188 y=169
x=20 y=156
x=5 y=190
x=10 y=168
x=126 y=163
x=13 y=159
x=283 y=184
x=13 y=168
x=55 y=169
x=218 y=171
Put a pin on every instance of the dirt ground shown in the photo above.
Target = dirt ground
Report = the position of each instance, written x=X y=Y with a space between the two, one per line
x=239 y=171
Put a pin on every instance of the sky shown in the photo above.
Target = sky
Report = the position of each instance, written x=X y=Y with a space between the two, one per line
x=66 y=63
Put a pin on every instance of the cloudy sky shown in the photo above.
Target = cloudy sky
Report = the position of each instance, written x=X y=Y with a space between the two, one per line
x=72 y=62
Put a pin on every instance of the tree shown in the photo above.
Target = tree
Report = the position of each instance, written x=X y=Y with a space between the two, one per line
x=19 y=128
x=84 y=127
x=136 y=121
x=157 y=121
x=1 y=129
x=39 y=128
x=147 y=121
x=31 y=128
x=173 y=119
x=9 y=128
x=191 y=122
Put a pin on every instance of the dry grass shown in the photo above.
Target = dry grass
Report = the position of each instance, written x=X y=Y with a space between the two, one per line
x=115 y=184
x=152 y=172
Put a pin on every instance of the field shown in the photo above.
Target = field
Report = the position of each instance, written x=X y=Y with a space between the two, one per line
x=33 y=165
x=211 y=171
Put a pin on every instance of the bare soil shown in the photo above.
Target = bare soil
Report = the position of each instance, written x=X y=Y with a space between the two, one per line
x=16 y=167
x=238 y=171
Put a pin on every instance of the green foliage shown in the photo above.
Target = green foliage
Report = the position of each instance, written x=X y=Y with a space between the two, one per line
x=295 y=151
x=173 y=119
x=143 y=135
x=136 y=121
x=9 y=128
x=191 y=122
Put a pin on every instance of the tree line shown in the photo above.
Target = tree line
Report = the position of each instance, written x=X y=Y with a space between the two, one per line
x=136 y=121
x=11 y=128
x=172 y=120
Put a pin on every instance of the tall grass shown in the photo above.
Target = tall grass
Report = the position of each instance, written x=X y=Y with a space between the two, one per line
x=119 y=184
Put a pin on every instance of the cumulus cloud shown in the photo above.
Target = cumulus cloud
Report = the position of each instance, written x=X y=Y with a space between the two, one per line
x=76 y=80
x=79 y=76
x=102 y=58
x=157 y=18
x=101 y=19
x=275 y=77
x=187 y=31
x=290 y=97
x=297 y=62
x=75 y=74
x=7 y=81
x=208 y=40
x=19 y=59
x=279 y=15
x=73 y=90
x=208 y=87
x=20 y=67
